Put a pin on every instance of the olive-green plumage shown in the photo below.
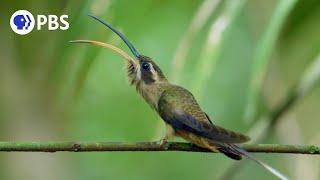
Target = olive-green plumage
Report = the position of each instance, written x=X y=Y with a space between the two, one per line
x=178 y=108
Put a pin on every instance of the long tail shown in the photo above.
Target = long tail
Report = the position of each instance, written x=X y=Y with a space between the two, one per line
x=234 y=149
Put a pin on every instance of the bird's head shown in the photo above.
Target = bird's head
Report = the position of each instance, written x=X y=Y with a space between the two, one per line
x=144 y=71
x=141 y=69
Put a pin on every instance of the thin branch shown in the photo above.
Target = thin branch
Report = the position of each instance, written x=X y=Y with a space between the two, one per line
x=145 y=146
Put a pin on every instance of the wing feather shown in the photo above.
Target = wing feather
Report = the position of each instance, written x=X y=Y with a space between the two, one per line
x=178 y=107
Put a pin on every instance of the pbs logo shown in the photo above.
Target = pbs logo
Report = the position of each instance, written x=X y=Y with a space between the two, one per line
x=22 y=22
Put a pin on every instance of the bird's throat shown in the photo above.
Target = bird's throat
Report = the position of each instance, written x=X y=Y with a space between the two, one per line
x=152 y=92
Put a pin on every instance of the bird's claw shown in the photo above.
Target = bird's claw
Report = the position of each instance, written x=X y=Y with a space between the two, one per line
x=163 y=143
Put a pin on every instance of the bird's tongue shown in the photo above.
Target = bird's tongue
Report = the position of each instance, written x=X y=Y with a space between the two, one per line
x=107 y=46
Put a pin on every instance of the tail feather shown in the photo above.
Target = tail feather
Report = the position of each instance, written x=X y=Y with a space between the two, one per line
x=243 y=152
x=230 y=153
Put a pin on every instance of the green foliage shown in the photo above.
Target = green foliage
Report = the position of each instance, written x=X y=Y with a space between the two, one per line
x=53 y=90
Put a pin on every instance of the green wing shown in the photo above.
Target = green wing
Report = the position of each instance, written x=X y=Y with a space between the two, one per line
x=178 y=107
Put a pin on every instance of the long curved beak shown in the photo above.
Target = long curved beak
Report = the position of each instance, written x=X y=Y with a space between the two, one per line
x=107 y=46
x=123 y=37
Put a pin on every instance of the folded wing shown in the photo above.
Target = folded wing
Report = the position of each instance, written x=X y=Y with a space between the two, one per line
x=178 y=107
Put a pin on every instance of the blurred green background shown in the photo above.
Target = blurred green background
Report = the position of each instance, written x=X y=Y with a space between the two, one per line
x=241 y=59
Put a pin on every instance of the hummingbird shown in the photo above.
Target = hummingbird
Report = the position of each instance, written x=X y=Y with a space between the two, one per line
x=177 y=106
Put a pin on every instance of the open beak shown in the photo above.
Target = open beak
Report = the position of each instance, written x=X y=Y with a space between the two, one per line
x=107 y=46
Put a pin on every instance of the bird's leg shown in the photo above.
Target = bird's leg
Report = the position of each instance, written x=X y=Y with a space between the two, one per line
x=169 y=135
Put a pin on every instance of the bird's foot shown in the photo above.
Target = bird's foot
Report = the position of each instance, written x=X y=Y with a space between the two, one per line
x=163 y=143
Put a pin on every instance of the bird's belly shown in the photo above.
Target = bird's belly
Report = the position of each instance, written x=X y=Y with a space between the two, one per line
x=197 y=140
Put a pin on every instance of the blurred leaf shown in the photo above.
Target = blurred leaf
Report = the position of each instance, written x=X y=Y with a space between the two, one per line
x=211 y=49
x=263 y=53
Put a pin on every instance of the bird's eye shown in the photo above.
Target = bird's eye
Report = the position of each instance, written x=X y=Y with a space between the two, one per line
x=146 y=66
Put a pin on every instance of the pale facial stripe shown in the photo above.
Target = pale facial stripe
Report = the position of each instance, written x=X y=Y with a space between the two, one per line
x=138 y=70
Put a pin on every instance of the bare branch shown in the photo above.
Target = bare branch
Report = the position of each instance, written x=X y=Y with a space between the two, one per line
x=144 y=146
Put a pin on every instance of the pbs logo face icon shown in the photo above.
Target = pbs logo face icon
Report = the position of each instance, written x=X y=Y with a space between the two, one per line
x=22 y=22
